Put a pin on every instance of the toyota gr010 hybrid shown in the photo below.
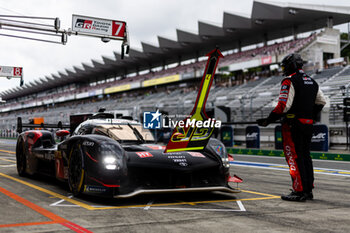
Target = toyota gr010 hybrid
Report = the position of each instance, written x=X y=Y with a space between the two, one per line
x=119 y=158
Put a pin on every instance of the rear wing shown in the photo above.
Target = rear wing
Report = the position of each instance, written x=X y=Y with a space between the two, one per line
x=20 y=125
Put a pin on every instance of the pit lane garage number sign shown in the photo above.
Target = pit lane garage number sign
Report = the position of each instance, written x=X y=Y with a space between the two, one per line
x=11 y=72
x=99 y=27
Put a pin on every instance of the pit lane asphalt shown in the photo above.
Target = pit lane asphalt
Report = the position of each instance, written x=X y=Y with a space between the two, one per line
x=38 y=204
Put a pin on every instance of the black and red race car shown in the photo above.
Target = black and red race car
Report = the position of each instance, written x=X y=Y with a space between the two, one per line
x=119 y=158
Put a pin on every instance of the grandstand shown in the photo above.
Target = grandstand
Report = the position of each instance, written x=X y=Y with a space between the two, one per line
x=167 y=77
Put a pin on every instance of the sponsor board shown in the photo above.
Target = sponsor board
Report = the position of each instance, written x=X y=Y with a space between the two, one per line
x=99 y=27
x=162 y=80
x=253 y=137
x=119 y=88
x=9 y=71
x=266 y=60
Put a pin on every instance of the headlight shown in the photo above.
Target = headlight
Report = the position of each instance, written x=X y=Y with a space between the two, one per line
x=111 y=167
x=110 y=162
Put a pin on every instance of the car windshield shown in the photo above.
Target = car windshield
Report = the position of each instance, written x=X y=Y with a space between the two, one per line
x=122 y=132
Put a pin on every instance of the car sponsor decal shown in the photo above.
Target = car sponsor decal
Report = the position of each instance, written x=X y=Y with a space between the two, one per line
x=283 y=95
x=95 y=189
x=88 y=143
x=179 y=159
x=144 y=154
x=196 y=154
x=219 y=149
x=155 y=147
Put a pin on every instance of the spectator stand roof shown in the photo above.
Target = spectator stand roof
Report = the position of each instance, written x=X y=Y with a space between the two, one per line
x=268 y=21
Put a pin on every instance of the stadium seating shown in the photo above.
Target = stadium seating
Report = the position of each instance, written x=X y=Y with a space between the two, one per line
x=249 y=101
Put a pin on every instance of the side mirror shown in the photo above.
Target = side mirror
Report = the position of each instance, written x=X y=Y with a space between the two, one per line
x=62 y=133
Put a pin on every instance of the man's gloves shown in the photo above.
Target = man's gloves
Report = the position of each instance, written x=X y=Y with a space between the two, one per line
x=273 y=117
x=262 y=122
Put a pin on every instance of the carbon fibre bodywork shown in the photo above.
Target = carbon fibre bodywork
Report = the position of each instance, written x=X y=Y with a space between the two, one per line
x=100 y=165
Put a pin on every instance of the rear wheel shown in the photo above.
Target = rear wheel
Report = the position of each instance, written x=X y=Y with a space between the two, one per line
x=76 y=171
x=21 y=159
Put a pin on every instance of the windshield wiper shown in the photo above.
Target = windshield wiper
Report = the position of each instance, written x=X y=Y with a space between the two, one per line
x=137 y=134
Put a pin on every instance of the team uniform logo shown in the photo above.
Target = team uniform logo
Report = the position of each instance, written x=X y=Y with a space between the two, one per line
x=152 y=120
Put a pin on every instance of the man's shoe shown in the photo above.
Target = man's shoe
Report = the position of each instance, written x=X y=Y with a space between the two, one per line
x=294 y=196
x=309 y=196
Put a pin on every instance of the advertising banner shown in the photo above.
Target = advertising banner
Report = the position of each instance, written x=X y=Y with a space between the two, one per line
x=9 y=71
x=252 y=136
x=159 y=81
x=319 y=141
x=266 y=60
x=278 y=138
x=119 y=88
x=227 y=135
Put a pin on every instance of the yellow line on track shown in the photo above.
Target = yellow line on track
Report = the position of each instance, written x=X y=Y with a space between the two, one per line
x=8 y=160
x=7 y=151
x=257 y=193
x=183 y=203
x=89 y=207
x=86 y=206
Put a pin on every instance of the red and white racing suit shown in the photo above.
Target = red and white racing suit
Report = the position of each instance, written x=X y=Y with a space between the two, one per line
x=300 y=99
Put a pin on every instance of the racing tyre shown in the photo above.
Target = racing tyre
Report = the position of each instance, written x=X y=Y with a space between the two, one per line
x=21 y=160
x=76 y=173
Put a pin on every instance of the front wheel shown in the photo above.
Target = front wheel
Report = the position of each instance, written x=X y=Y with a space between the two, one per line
x=21 y=160
x=76 y=173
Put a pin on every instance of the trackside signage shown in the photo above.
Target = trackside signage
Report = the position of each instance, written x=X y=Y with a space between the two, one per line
x=99 y=27
x=9 y=71
x=252 y=137
x=319 y=140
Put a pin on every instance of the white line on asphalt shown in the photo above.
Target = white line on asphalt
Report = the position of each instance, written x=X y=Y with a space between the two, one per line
x=149 y=205
x=241 y=206
x=9 y=165
x=60 y=201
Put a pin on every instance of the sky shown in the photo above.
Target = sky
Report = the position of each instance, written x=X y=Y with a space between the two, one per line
x=146 y=20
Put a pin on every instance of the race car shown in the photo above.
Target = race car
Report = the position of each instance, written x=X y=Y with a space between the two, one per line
x=119 y=158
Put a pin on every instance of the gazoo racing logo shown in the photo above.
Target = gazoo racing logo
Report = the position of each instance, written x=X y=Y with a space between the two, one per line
x=154 y=120
x=86 y=24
